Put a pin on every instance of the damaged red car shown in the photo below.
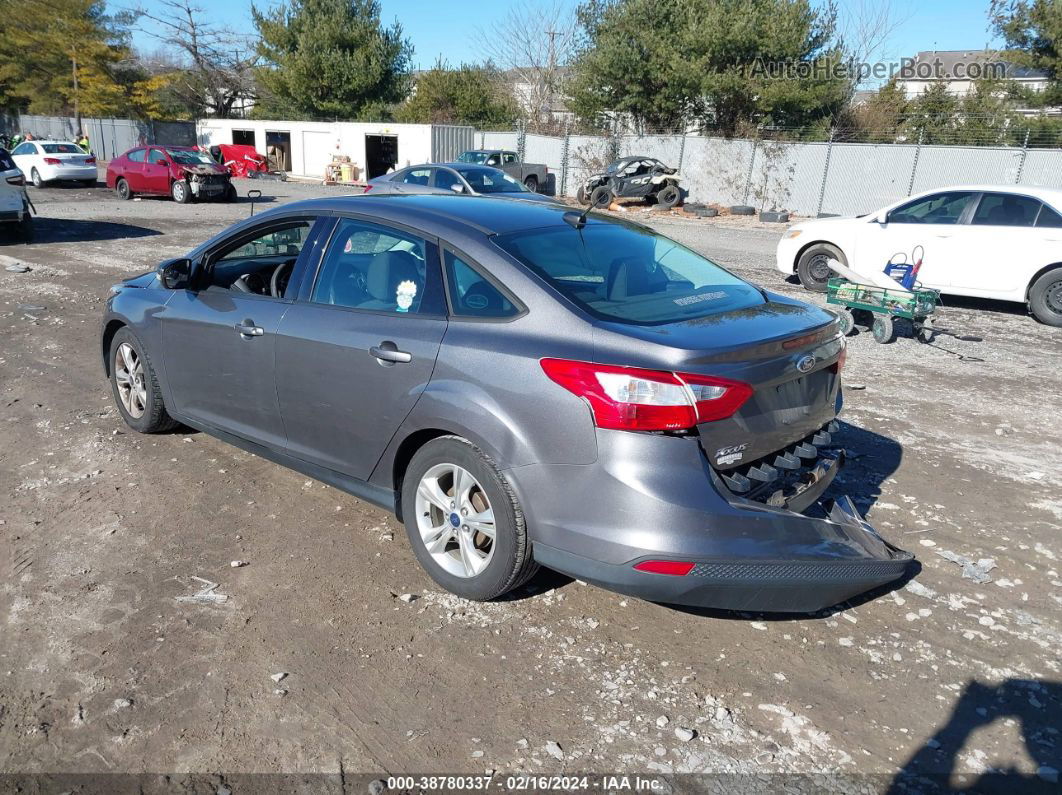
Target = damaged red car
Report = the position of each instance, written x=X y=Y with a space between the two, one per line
x=183 y=172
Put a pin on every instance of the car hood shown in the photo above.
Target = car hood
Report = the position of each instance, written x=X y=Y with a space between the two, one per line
x=202 y=169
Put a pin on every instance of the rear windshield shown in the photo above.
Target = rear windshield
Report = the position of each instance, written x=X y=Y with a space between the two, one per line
x=62 y=149
x=621 y=272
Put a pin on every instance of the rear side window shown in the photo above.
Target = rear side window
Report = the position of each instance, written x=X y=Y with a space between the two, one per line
x=417 y=176
x=624 y=272
x=379 y=269
x=1049 y=218
x=137 y=156
x=26 y=148
x=1006 y=209
x=472 y=295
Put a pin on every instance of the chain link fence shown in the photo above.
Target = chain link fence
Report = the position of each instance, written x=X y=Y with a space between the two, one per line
x=108 y=137
x=804 y=177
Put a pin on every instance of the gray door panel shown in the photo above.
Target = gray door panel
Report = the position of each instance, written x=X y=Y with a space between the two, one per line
x=217 y=374
x=340 y=404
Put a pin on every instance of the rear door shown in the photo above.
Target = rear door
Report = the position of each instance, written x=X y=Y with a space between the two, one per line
x=25 y=157
x=359 y=346
x=219 y=343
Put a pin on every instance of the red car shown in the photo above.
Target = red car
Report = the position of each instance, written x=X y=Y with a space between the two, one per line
x=183 y=172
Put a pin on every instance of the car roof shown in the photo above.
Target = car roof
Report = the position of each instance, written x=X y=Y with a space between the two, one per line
x=47 y=141
x=437 y=213
x=1050 y=195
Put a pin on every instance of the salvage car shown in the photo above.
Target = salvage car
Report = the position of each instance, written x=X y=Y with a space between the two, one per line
x=44 y=162
x=533 y=175
x=632 y=177
x=471 y=180
x=14 y=204
x=522 y=385
x=985 y=241
x=182 y=172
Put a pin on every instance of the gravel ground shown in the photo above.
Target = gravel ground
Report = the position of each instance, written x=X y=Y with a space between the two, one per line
x=954 y=455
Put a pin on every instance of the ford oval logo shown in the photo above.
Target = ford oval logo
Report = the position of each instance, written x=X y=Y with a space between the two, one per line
x=806 y=363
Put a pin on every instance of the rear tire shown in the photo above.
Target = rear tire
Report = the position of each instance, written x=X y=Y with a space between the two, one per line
x=847 y=322
x=531 y=183
x=812 y=269
x=669 y=196
x=121 y=187
x=431 y=501
x=135 y=387
x=1045 y=298
x=180 y=191
x=36 y=178
x=230 y=194
x=88 y=183
x=24 y=231
x=601 y=197
x=883 y=329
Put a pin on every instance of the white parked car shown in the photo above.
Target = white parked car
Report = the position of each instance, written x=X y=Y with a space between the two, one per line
x=14 y=208
x=49 y=161
x=985 y=241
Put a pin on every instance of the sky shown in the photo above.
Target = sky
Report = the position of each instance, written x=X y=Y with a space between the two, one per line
x=447 y=28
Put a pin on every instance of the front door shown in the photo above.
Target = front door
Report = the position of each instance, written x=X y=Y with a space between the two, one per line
x=219 y=340
x=156 y=174
x=354 y=356
x=934 y=223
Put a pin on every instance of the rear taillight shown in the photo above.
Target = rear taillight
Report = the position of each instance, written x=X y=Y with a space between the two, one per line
x=90 y=161
x=676 y=568
x=367 y=188
x=838 y=366
x=52 y=161
x=19 y=180
x=632 y=399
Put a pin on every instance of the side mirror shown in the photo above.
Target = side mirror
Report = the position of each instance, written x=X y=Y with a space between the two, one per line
x=457 y=187
x=882 y=217
x=161 y=162
x=175 y=274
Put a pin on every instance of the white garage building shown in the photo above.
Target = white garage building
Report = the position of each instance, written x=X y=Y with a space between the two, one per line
x=304 y=148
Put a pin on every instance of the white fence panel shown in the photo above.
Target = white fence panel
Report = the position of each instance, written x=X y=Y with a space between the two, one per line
x=495 y=140
x=965 y=165
x=716 y=170
x=1043 y=168
x=864 y=177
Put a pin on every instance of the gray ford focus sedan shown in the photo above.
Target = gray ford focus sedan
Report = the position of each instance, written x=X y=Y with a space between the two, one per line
x=523 y=385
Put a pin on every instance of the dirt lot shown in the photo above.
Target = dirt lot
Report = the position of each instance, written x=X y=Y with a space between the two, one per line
x=955 y=451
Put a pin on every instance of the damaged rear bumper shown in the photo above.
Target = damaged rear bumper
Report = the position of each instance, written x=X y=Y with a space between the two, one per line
x=654 y=501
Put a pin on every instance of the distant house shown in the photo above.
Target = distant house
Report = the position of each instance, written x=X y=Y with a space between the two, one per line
x=960 y=70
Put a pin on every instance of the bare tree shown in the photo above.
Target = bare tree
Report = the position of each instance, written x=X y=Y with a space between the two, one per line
x=866 y=28
x=217 y=66
x=532 y=46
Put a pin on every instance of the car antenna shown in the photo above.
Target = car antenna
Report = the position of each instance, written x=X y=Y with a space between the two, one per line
x=578 y=220
x=252 y=195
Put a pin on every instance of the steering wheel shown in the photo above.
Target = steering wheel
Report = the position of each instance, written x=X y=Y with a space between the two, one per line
x=279 y=281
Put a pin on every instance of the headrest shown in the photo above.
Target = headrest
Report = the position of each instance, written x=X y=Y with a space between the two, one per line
x=629 y=276
x=387 y=270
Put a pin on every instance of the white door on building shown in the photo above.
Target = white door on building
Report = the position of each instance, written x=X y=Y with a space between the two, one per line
x=317 y=149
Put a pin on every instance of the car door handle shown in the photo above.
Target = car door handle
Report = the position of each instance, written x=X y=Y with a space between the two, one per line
x=387 y=353
x=248 y=329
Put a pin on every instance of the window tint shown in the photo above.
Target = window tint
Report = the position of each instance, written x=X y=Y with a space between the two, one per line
x=444 y=178
x=1003 y=209
x=417 y=176
x=471 y=295
x=284 y=242
x=627 y=273
x=488 y=180
x=62 y=149
x=1049 y=218
x=377 y=268
x=26 y=148
x=137 y=155
x=940 y=208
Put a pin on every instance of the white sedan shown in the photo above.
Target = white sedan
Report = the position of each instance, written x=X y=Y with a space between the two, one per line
x=49 y=161
x=985 y=241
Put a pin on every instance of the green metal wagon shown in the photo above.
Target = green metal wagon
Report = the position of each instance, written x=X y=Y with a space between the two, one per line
x=883 y=310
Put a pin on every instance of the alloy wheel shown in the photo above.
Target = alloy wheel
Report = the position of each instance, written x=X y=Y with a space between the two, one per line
x=129 y=376
x=455 y=520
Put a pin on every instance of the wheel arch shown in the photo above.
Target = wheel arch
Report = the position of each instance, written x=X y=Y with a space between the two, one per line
x=112 y=327
x=1038 y=274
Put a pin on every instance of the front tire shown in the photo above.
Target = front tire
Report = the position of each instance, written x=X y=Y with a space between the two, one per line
x=812 y=269
x=669 y=196
x=24 y=231
x=1045 y=298
x=35 y=176
x=135 y=386
x=602 y=197
x=230 y=194
x=464 y=522
x=180 y=191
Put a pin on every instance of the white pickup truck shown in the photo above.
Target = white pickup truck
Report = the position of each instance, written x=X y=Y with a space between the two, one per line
x=533 y=175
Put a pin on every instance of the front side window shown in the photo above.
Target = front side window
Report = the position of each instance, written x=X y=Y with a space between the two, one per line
x=618 y=271
x=940 y=208
x=1049 y=218
x=445 y=178
x=1005 y=209
x=485 y=180
x=263 y=264
x=62 y=149
x=471 y=295
x=285 y=242
x=376 y=268
x=155 y=155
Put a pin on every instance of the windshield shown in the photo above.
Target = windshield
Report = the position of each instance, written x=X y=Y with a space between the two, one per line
x=189 y=157
x=62 y=149
x=489 y=180
x=473 y=157
x=621 y=272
